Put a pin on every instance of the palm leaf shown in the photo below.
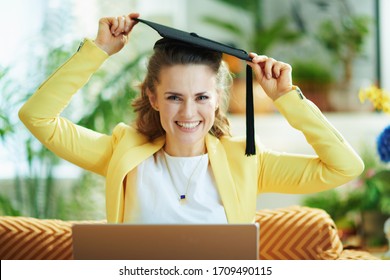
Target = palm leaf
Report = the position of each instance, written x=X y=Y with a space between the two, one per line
x=225 y=25
x=246 y=5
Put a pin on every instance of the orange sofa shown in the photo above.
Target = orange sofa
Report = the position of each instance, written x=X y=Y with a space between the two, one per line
x=285 y=234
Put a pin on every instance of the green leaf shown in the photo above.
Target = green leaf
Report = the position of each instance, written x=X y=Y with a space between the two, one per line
x=227 y=26
x=7 y=208
x=246 y=5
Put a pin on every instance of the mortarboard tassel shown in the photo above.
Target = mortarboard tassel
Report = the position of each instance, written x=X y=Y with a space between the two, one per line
x=250 y=118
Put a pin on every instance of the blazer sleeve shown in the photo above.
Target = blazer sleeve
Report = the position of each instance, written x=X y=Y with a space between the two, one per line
x=335 y=164
x=41 y=113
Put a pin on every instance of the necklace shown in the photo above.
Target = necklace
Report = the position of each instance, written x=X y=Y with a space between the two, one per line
x=182 y=197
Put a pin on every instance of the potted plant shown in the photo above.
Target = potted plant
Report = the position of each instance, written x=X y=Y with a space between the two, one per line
x=337 y=205
x=260 y=37
x=372 y=196
x=315 y=80
x=37 y=192
x=361 y=207
x=344 y=38
x=371 y=200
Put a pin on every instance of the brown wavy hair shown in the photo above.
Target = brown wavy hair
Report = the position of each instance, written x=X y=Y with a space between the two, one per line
x=168 y=52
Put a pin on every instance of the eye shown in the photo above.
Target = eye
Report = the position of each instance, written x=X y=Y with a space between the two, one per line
x=173 y=98
x=202 y=97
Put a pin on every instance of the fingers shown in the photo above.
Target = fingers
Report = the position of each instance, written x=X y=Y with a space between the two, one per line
x=123 y=24
x=133 y=22
x=268 y=67
x=280 y=68
x=113 y=32
x=118 y=25
x=255 y=64
x=133 y=15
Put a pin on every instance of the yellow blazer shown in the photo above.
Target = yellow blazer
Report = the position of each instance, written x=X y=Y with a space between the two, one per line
x=239 y=178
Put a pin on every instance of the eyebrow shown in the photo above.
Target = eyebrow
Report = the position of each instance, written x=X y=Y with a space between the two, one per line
x=180 y=94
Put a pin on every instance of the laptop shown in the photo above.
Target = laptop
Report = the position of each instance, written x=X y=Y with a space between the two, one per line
x=165 y=242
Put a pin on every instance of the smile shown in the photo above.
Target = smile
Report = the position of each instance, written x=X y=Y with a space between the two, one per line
x=188 y=125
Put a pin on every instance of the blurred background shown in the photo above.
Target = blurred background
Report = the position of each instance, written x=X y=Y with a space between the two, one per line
x=337 y=49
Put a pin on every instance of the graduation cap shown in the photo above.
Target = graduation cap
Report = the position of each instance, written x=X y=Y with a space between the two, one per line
x=196 y=40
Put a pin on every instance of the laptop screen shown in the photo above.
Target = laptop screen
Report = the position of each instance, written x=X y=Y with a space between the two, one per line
x=165 y=242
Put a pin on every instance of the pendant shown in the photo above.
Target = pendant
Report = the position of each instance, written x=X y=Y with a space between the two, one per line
x=183 y=199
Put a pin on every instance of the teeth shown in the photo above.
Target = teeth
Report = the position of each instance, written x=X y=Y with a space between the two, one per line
x=188 y=125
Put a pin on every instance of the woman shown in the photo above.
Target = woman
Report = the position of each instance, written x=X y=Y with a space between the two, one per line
x=178 y=162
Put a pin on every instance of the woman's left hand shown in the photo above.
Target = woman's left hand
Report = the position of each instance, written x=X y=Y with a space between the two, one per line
x=273 y=76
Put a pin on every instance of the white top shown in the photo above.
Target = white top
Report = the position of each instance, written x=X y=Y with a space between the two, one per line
x=154 y=197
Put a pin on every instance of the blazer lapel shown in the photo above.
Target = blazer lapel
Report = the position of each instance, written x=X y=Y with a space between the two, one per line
x=120 y=168
x=133 y=157
x=223 y=178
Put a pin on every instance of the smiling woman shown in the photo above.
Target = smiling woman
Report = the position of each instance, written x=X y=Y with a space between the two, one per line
x=177 y=72
x=187 y=100
x=177 y=163
x=184 y=89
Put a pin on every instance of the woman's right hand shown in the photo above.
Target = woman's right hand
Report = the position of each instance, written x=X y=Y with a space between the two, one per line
x=113 y=32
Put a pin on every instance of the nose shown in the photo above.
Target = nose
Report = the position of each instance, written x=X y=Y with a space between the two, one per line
x=188 y=109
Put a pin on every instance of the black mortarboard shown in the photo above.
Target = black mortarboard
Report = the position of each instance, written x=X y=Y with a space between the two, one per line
x=195 y=39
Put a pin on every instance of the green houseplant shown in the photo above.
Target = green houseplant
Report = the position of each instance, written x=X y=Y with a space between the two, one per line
x=261 y=37
x=344 y=38
x=333 y=202
x=362 y=206
x=315 y=80
x=35 y=190
x=373 y=193
x=376 y=179
x=371 y=197
x=38 y=193
x=32 y=192
x=257 y=36
x=371 y=200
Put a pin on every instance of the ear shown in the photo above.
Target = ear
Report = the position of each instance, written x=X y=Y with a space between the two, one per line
x=152 y=99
